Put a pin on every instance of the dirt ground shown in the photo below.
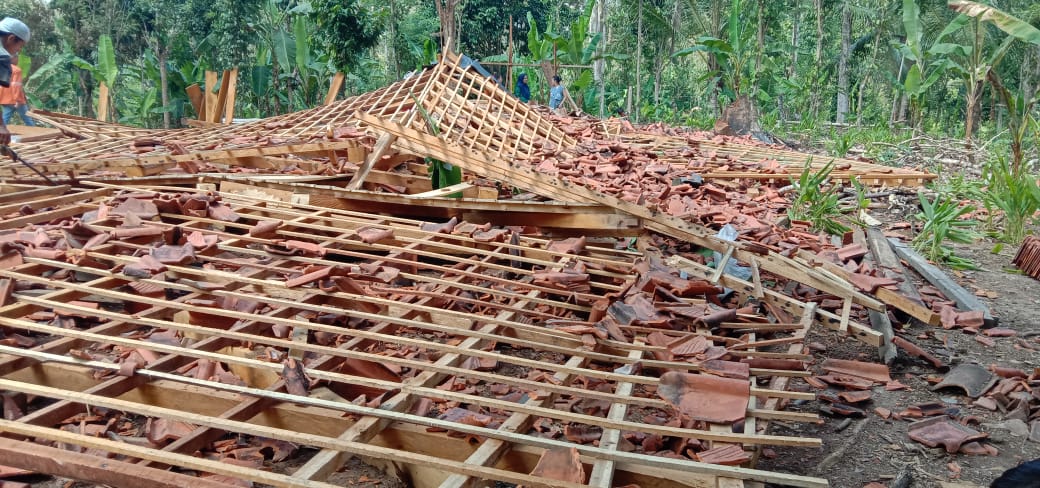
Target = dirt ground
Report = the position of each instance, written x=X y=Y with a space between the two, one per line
x=872 y=449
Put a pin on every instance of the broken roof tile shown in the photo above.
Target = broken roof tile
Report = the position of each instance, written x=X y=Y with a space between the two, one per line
x=705 y=397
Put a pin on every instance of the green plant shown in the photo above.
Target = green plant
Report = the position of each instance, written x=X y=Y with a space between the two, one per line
x=442 y=174
x=816 y=201
x=1016 y=196
x=862 y=201
x=928 y=63
x=961 y=187
x=842 y=142
x=105 y=70
x=943 y=221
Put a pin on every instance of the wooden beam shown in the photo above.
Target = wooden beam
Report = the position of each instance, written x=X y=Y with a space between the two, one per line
x=907 y=299
x=214 y=116
x=211 y=97
x=229 y=101
x=197 y=99
x=602 y=475
x=965 y=299
x=334 y=86
x=40 y=458
x=103 y=96
x=22 y=196
x=316 y=420
x=520 y=174
x=442 y=192
x=382 y=145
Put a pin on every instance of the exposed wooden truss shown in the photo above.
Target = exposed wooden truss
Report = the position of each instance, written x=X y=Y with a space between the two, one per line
x=468 y=300
x=524 y=176
x=454 y=103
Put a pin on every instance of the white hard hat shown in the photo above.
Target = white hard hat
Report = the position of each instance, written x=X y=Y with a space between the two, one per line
x=14 y=26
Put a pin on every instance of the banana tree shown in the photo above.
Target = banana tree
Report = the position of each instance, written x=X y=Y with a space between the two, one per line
x=976 y=68
x=729 y=54
x=104 y=71
x=53 y=85
x=929 y=63
x=576 y=48
x=973 y=64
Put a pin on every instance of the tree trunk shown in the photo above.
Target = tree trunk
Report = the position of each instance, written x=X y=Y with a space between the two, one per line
x=971 y=112
x=393 y=35
x=446 y=14
x=164 y=88
x=639 y=58
x=761 y=41
x=792 y=70
x=662 y=56
x=274 y=85
x=1030 y=72
x=843 y=63
x=859 y=101
x=597 y=24
x=897 y=95
x=713 y=61
x=814 y=106
x=657 y=82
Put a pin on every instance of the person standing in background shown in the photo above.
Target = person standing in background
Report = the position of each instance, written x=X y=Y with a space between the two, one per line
x=523 y=90
x=13 y=99
x=13 y=36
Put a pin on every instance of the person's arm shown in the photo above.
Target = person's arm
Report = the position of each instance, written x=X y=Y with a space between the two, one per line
x=5 y=68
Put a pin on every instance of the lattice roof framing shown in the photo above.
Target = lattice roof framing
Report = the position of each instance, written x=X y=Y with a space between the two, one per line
x=467 y=108
x=81 y=128
x=471 y=110
x=374 y=304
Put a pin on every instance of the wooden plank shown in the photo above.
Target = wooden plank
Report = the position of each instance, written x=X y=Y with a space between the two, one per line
x=29 y=194
x=215 y=115
x=229 y=102
x=442 y=192
x=103 y=97
x=358 y=448
x=518 y=174
x=602 y=475
x=902 y=302
x=86 y=467
x=28 y=133
x=36 y=218
x=229 y=156
x=211 y=97
x=197 y=99
x=334 y=86
x=382 y=145
x=58 y=201
x=965 y=299
x=907 y=300
x=720 y=267
x=492 y=450
x=316 y=420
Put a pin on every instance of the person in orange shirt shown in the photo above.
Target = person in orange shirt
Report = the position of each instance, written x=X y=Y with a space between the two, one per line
x=13 y=98
x=14 y=34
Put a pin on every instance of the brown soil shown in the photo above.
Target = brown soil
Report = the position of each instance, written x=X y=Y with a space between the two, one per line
x=880 y=449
